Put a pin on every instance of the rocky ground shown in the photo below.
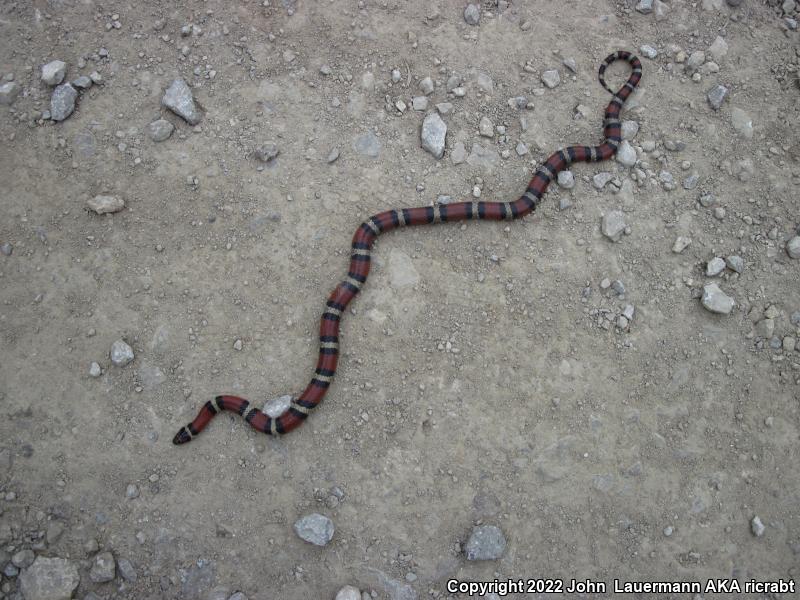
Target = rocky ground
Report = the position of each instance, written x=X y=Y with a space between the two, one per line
x=605 y=389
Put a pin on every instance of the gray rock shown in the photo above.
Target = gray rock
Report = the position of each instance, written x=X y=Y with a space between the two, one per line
x=742 y=122
x=23 y=559
x=10 y=570
x=444 y=108
x=757 y=527
x=795 y=318
x=238 y=596
x=521 y=149
x=645 y=6
x=105 y=204
x=104 y=567
x=49 y=579
x=486 y=542
x=458 y=154
x=83 y=82
x=715 y=266
x=62 y=102
x=626 y=155
x=648 y=51
x=691 y=181
x=618 y=287
x=426 y=85
x=95 y=370
x=160 y=130
x=126 y=570
x=485 y=83
x=178 y=98
x=349 y=592
x=96 y=78
x=472 y=14
x=368 y=145
x=793 y=247
x=485 y=158
x=419 y=103
x=333 y=155
x=314 y=528
x=628 y=312
x=121 y=353
x=266 y=152
x=551 y=78
x=718 y=49
x=53 y=72
x=55 y=529
x=716 y=96
x=629 y=129
x=613 y=225
x=765 y=328
x=735 y=263
x=277 y=406
x=6 y=249
x=433 y=133
x=601 y=179
x=696 y=59
x=715 y=300
x=566 y=180
x=132 y=491
x=681 y=243
x=570 y=63
x=9 y=92
x=486 y=127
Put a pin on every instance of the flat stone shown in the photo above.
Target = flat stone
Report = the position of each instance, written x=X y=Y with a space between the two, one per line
x=275 y=407
x=419 y=103
x=106 y=204
x=735 y=263
x=485 y=83
x=349 y=592
x=6 y=249
x=601 y=179
x=333 y=155
x=314 y=528
x=742 y=122
x=486 y=127
x=715 y=266
x=160 y=130
x=104 y=567
x=551 y=78
x=84 y=82
x=715 y=300
x=459 y=153
x=482 y=157
x=613 y=225
x=9 y=92
x=368 y=144
x=401 y=270
x=626 y=154
x=793 y=247
x=23 y=559
x=426 y=85
x=62 y=102
x=121 y=353
x=718 y=49
x=49 y=579
x=629 y=129
x=53 y=72
x=648 y=51
x=126 y=570
x=178 y=98
x=486 y=542
x=433 y=134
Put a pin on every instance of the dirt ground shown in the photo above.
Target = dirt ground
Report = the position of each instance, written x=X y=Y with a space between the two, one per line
x=485 y=376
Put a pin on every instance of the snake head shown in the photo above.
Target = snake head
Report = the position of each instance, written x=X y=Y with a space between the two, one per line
x=182 y=437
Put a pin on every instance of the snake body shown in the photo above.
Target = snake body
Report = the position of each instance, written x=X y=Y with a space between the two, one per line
x=367 y=233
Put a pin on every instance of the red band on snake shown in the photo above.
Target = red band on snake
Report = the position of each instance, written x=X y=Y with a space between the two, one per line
x=366 y=234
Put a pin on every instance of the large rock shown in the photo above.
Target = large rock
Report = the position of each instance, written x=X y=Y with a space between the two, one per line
x=121 y=353
x=49 y=579
x=178 y=98
x=314 y=528
x=715 y=300
x=104 y=568
x=62 y=102
x=106 y=204
x=613 y=225
x=486 y=542
x=53 y=72
x=433 y=134
x=793 y=247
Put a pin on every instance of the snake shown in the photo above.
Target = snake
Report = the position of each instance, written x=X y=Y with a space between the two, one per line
x=300 y=407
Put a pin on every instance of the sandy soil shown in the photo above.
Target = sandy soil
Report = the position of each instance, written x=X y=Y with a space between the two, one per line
x=480 y=382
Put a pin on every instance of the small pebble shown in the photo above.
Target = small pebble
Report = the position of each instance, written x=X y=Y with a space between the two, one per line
x=757 y=527
x=715 y=266
x=121 y=353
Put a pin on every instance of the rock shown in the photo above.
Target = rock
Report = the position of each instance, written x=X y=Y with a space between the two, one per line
x=178 y=98
x=486 y=542
x=238 y=596
x=613 y=225
x=266 y=152
x=715 y=266
x=95 y=370
x=696 y=59
x=426 y=85
x=680 y=244
x=444 y=108
x=277 y=406
x=433 y=133
x=648 y=51
x=757 y=527
x=458 y=154
x=628 y=312
x=691 y=181
x=160 y=130
x=6 y=249
x=49 y=579
x=645 y=6
x=105 y=204
x=715 y=300
x=716 y=96
x=472 y=14
x=735 y=263
x=521 y=149
x=629 y=129
x=132 y=491
x=601 y=179
x=349 y=592
x=718 y=49
x=793 y=247
x=618 y=287
x=23 y=559
x=121 y=353
x=9 y=92
x=482 y=157
x=566 y=180
x=570 y=63
x=315 y=529
x=82 y=83
x=126 y=570
x=486 y=127
x=62 y=102
x=765 y=328
x=53 y=72
x=626 y=155
x=368 y=145
x=104 y=567
x=419 y=103
x=485 y=83
x=96 y=78
x=551 y=78
x=742 y=122
x=55 y=529
x=332 y=155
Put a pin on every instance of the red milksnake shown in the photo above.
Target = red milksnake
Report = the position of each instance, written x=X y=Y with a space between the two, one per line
x=366 y=234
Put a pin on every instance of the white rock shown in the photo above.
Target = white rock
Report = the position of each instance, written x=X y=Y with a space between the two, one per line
x=742 y=122
x=106 y=204
x=95 y=370
x=757 y=527
x=53 y=72
x=472 y=14
x=629 y=129
x=648 y=51
x=551 y=78
x=718 y=49
x=9 y=92
x=486 y=127
x=566 y=180
x=419 y=103
x=521 y=149
x=613 y=225
x=433 y=134
x=485 y=83
x=601 y=179
x=715 y=266
x=277 y=406
x=121 y=353
x=349 y=592
x=715 y=300
x=681 y=243
x=426 y=85
x=626 y=154
x=178 y=98
x=793 y=247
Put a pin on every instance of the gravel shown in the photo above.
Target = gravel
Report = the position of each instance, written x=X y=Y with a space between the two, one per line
x=486 y=542
x=105 y=204
x=433 y=134
x=715 y=300
x=314 y=528
x=62 y=102
x=178 y=98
